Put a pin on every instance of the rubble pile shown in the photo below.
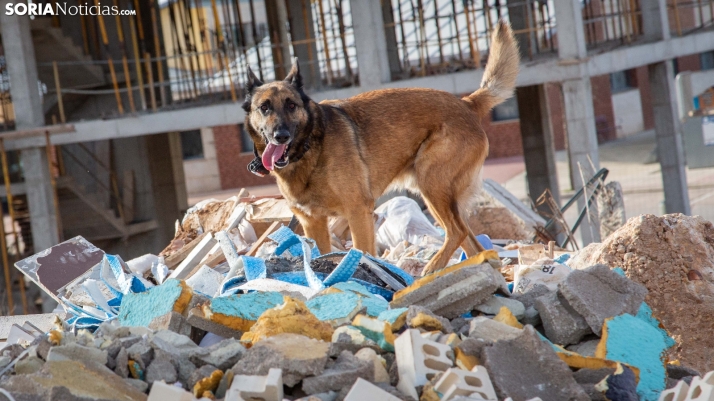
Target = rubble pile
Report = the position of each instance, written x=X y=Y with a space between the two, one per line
x=241 y=307
x=673 y=257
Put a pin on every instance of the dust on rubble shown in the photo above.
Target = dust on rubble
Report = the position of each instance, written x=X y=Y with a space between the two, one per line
x=673 y=256
x=498 y=222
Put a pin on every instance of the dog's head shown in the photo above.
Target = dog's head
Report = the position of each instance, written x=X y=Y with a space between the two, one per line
x=276 y=113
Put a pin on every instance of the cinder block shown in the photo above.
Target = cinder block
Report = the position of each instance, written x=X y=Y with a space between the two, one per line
x=458 y=382
x=676 y=393
x=701 y=388
x=161 y=391
x=598 y=293
x=418 y=360
x=267 y=388
x=453 y=291
x=363 y=390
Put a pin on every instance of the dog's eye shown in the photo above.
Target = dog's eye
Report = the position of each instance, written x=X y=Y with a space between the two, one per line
x=264 y=108
x=291 y=106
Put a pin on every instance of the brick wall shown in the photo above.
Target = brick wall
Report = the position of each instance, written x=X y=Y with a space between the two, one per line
x=232 y=162
x=602 y=104
x=557 y=116
x=641 y=78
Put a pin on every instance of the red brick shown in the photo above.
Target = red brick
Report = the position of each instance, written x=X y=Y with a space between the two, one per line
x=232 y=162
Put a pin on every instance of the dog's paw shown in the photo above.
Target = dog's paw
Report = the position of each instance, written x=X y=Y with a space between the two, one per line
x=256 y=167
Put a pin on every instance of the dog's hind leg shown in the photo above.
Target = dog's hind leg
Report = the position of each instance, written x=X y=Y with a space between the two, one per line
x=316 y=228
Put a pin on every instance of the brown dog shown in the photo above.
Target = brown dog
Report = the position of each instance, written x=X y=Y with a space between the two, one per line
x=338 y=156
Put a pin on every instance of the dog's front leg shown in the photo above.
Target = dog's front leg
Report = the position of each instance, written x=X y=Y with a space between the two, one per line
x=316 y=228
x=362 y=227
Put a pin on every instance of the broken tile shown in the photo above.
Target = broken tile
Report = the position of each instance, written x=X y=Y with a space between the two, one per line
x=457 y=382
x=206 y=281
x=266 y=388
x=161 y=391
x=418 y=359
x=364 y=390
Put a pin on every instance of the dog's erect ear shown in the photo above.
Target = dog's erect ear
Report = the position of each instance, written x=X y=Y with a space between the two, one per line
x=253 y=81
x=294 y=78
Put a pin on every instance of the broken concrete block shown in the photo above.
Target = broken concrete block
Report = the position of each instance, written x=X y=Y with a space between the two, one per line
x=676 y=393
x=679 y=372
x=457 y=382
x=161 y=391
x=418 y=359
x=493 y=305
x=122 y=363
x=266 y=388
x=585 y=348
x=376 y=330
x=29 y=365
x=539 y=371
x=240 y=312
x=223 y=355
x=337 y=308
x=419 y=317
x=293 y=316
x=141 y=352
x=345 y=371
x=380 y=365
x=197 y=319
x=297 y=356
x=174 y=343
x=225 y=384
x=598 y=293
x=76 y=352
x=364 y=390
x=82 y=381
x=561 y=323
x=455 y=290
x=633 y=341
x=397 y=318
x=173 y=321
x=491 y=330
x=141 y=308
x=161 y=369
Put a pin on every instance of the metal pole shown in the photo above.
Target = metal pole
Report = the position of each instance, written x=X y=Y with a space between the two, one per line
x=137 y=63
x=60 y=104
x=150 y=75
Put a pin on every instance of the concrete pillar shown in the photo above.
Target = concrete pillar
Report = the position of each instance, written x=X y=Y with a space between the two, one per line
x=669 y=138
x=27 y=104
x=537 y=136
x=277 y=18
x=390 y=35
x=578 y=104
x=368 y=26
x=655 y=25
x=302 y=28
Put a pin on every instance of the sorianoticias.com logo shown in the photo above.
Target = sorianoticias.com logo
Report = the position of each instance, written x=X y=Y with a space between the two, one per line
x=34 y=9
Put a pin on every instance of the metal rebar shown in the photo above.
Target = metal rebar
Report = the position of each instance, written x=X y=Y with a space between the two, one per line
x=60 y=104
x=137 y=63
x=150 y=76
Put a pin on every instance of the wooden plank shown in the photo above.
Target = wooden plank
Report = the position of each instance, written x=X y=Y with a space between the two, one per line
x=178 y=256
x=270 y=210
x=186 y=267
x=261 y=240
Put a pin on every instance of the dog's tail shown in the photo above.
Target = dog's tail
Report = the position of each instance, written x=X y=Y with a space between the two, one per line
x=499 y=79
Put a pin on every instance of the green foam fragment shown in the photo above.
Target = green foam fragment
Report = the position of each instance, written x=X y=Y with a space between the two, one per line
x=390 y=316
x=645 y=313
x=335 y=307
x=139 y=309
x=637 y=343
x=351 y=286
x=249 y=306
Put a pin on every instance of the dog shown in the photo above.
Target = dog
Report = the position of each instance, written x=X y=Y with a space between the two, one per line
x=337 y=156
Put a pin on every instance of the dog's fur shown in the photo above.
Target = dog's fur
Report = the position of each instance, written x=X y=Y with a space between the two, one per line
x=351 y=151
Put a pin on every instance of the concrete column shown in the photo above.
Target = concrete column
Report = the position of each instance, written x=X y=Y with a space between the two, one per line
x=669 y=138
x=277 y=18
x=537 y=136
x=372 y=58
x=395 y=65
x=655 y=24
x=27 y=104
x=571 y=35
x=302 y=28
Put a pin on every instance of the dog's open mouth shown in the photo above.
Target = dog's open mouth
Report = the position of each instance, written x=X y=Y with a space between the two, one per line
x=275 y=156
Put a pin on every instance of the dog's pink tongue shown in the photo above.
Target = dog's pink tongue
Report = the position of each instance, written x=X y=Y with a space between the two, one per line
x=272 y=154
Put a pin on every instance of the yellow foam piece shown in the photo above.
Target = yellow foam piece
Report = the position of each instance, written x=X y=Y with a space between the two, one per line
x=575 y=360
x=463 y=361
x=293 y=316
x=506 y=317
x=207 y=384
x=426 y=322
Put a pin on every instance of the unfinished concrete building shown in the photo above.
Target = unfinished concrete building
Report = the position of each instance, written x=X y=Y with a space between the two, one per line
x=101 y=111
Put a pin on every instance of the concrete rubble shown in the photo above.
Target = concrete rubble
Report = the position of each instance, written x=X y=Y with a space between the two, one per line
x=239 y=307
